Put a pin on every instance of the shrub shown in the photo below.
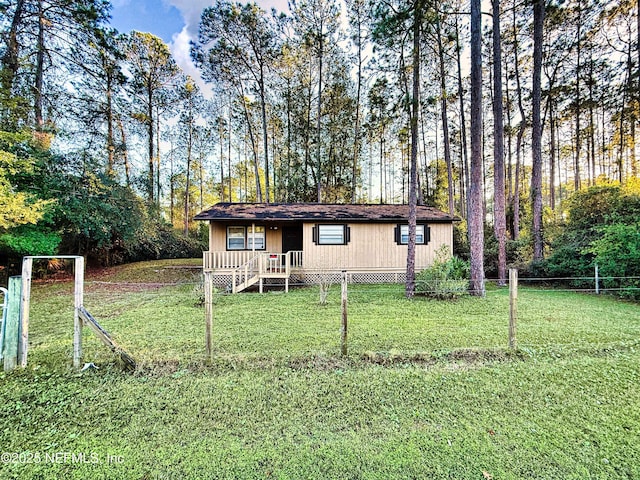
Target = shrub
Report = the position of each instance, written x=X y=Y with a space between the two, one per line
x=447 y=278
x=617 y=253
x=158 y=240
x=29 y=240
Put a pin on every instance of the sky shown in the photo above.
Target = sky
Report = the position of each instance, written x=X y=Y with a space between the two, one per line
x=174 y=21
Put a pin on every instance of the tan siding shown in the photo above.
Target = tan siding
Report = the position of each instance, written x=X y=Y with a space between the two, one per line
x=372 y=246
x=218 y=238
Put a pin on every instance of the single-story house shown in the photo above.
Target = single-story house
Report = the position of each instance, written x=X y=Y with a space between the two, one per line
x=253 y=242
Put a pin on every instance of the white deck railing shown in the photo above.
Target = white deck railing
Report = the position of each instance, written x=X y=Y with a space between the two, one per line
x=277 y=263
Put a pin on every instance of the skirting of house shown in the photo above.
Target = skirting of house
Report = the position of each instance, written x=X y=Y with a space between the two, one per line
x=223 y=280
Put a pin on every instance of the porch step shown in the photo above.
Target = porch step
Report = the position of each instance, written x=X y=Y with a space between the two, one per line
x=247 y=283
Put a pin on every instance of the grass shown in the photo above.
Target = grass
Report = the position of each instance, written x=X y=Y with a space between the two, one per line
x=429 y=389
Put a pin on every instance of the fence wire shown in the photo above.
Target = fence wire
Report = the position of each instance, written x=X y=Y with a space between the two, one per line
x=165 y=321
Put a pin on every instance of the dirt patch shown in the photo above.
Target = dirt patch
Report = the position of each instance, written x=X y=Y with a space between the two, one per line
x=320 y=363
x=124 y=287
x=459 y=357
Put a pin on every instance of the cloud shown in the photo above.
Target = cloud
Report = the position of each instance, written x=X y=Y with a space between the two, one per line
x=191 y=11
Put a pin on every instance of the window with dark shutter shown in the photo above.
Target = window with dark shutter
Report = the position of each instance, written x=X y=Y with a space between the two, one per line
x=401 y=234
x=331 y=234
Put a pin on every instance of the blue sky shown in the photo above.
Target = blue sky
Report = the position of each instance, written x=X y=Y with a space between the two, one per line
x=154 y=16
x=174 y=21
x=166 y=18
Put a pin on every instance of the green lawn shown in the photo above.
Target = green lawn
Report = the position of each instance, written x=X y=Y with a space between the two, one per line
x=429 y=389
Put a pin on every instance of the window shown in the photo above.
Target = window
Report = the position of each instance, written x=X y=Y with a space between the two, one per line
x=255 y=238
x=422 y=234
x=246 y=238
x=331 y=234
x=235 y=238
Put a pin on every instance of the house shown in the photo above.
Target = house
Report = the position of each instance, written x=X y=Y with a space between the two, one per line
x=253 y=243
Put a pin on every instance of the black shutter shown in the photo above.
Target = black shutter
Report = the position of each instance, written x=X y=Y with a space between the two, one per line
x=427 y=234
x=396 y=235
x=347 y=234
x=314 y=234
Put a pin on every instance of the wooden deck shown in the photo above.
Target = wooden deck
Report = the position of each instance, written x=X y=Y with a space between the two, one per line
x=248 y=268
x=238 y=270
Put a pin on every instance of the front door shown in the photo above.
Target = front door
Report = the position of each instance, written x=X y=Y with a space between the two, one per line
x=291 y=238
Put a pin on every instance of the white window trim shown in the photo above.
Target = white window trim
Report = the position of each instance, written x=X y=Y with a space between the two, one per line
x=404 y=232
x=250 y=234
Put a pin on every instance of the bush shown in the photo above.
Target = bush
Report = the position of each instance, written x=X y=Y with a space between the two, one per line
x=446 y=279
x=617 y=254
x=29 y=240
x=602 y=228
x=158 y=240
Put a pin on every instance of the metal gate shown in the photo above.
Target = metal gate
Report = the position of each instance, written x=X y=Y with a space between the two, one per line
x=5 y=304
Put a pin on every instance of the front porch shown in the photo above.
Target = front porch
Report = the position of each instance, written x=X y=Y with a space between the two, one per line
x=247 y=268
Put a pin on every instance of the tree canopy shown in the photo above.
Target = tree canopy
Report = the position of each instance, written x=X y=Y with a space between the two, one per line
x=104 y=136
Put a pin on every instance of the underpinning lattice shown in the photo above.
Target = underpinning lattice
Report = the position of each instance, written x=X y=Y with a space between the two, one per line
x=223 y=281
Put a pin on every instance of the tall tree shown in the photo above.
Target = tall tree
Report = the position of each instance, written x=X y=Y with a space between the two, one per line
x=100 y=102
x=318 y=21
x=444 y=116
x=476 y=215
x=536 y=140
x=243 y=39
x=38 y=41
x=357 y=20
x=152 y=70
x=410 y=285
x=191 y=106
x=499 y=210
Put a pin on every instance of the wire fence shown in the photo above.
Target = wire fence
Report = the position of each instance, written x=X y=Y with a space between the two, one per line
x=164 y=321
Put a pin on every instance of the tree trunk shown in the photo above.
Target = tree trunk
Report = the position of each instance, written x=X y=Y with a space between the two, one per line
x=110 y=133
x=229 y=154
x=410 y=285
x=552 y=157
x=576 y=167
x=463 y=128
x=221 y=138
x=287 y=180
x=125 y=154
x=499 y=216
x=265 y=128
x=158 y=158
x=521 y=129
x=592 y=125
x=254 y=148
x=150 y=149
x=39 y=80
x=356 y=127
x=536 y=140
x=445 y=122
x=187 y=184
x=11 y=58
x=319 y=126
x=476 y=220
x=172 y=187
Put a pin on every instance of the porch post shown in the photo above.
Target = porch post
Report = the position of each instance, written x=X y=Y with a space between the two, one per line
x=253 y=237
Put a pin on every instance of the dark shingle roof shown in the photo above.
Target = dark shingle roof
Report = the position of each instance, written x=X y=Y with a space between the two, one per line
x=319 y=212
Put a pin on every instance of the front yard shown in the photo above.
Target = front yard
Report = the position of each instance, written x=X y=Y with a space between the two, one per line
x=429 y=389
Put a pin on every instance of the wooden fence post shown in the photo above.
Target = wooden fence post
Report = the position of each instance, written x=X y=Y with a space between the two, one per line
x=12 y=326
x=208 y=314
x=597 y=281
x=78 y=300
x=343 y=336
x=23 y=345
x=513 y=306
